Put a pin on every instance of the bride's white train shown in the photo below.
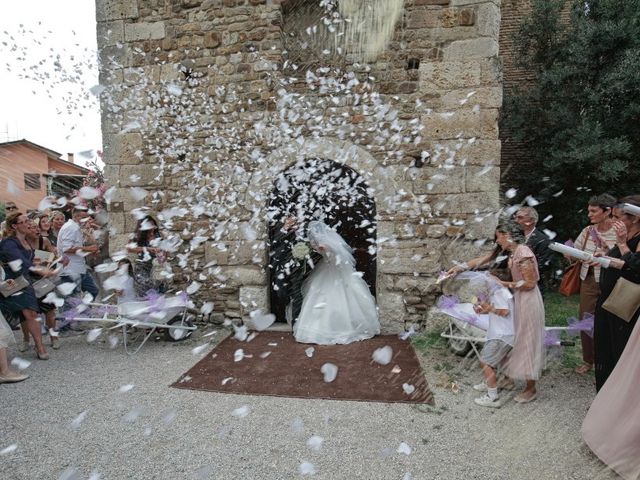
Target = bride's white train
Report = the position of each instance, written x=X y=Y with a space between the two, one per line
x=338 y=307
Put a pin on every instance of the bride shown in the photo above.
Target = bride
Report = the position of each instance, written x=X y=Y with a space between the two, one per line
x=337 y=306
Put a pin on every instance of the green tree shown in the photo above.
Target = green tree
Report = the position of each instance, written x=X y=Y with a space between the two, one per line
x=580 y=118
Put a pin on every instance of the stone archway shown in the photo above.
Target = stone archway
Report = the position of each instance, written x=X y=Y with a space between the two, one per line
x=382 y=185
x=319 y=189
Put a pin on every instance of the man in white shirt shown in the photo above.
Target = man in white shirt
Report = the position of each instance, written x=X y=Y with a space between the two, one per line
x=71 y=244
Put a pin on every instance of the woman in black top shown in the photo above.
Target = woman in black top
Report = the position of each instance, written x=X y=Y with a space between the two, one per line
x=611 y=332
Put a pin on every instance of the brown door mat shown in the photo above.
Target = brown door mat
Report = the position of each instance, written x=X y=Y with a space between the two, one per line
x=275 y=364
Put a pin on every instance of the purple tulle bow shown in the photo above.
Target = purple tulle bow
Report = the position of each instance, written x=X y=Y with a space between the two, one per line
x=576 y=326
x=551 y=338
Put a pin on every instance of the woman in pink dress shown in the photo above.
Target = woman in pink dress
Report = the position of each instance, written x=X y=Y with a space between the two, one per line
x=611 y=427
x=527 y=356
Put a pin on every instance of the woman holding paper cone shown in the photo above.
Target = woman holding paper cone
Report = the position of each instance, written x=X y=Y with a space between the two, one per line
x=15 y=256
x=598 y=237
x=611 y=332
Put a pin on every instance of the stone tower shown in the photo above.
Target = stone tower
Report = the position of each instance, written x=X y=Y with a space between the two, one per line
x=207 y=102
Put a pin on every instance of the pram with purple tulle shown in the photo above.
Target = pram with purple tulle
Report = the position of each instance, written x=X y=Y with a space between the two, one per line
x=140 y=320
x=466 y=330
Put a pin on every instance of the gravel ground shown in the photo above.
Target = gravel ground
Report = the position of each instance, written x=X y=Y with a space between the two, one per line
x=72 y=419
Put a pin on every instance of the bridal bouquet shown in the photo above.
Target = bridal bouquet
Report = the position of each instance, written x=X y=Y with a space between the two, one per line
x=300 y=251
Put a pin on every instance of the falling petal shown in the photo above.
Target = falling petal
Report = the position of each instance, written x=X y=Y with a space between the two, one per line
x=408 y=389
x=330 y=372
x=93 y=334
x=238 y=355
x=262 y=321
x=20 y=363
x=241 y=412
x=404 y=448
x=11 y=448
x=306 y=468
x=315 y=443
x=76 y=422
x=125 y=388
x=309 y=351
x=197 y=350
x=383 y=355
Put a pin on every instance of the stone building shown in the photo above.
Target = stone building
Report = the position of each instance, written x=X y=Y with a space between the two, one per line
x=208 y=104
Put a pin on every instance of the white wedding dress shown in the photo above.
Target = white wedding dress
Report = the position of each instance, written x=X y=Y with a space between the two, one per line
x=337 y=306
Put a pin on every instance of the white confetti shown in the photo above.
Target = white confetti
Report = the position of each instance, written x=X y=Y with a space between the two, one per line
x=125 y=388
x=15 y=265
x=138 y=193
x=306 y=468
x=11 y=448
x=226 y=380
x=206 y=308
x=408 y=388
x=20 y=363
x=330 y=372
x=315 y=443
x=265 y=354
x=133 y=415
x=197 y=350
x=193 y=288
x=512 y=192
x=76 y=422
x=404 y=448
x=262 y=321
x=93 y=334
x=309 y=351
x=382 y=355
x=238 y=355
x=241 y=412
x=88 y=193
x=297 y=425
x=549 y=233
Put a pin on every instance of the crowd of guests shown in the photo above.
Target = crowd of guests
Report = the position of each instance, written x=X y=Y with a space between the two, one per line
x=40 y=250
x=612 y=348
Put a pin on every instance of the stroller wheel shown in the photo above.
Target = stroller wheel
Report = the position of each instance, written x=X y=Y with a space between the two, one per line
x=177 y=334
x=457 y=346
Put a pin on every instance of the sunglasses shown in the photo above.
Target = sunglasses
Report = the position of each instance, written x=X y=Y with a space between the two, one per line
x=11 y=208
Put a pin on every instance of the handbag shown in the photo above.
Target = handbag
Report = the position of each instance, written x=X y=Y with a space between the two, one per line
x=43 y=286
x=624 y=299
x=570 y=283
x=19 y=283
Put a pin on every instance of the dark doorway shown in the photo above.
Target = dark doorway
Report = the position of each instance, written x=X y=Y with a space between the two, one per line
x=319 y=189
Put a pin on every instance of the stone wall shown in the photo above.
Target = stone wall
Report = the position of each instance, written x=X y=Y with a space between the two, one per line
x=197 y=97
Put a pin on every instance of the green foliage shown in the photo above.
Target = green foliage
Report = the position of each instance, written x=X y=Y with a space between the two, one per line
x=580 y=120
x=3 y=212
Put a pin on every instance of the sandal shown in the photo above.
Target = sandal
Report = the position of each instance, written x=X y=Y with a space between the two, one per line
x=24 y=346
x=584 y=368
x=525 y=399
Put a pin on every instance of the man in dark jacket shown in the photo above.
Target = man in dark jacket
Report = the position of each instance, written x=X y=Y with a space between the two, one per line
x=537 y=241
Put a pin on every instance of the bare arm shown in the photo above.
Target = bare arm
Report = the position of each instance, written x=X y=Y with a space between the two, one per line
x=528 y=271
